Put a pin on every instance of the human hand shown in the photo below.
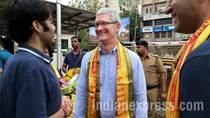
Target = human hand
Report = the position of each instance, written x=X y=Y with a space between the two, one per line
x=66 y=105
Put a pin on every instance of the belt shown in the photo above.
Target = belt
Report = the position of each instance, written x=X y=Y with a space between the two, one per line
x=152 y=87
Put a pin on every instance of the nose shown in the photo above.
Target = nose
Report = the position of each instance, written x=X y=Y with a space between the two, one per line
x=99 y=28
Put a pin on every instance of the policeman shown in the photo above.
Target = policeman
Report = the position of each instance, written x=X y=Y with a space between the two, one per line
x=153 y=69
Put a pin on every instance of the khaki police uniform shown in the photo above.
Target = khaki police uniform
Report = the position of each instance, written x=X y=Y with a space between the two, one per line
x=153 y=67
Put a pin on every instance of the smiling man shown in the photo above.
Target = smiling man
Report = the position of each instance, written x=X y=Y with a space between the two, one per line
x=112 y=82
x=190 y=81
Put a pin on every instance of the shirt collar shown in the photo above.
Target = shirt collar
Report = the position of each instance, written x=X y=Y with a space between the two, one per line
x=114 y=50
x=72 y=52
x=149 y=55
x=34 y=51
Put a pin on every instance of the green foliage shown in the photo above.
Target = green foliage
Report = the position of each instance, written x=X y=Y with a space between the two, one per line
x=90 y=5
x=85 y=40
x=125 y=14
x=132 y=25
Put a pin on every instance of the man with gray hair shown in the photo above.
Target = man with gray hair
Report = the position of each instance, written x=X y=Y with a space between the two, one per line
x=112 y=81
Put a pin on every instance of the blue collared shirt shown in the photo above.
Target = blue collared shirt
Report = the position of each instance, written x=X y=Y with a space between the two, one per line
x=108 y=62
x=29 y=87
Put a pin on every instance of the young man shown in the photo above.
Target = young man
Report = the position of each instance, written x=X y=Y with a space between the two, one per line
x=73 y=59
x=190 y=82
x=112 y=82
x=153 y=69
x=29 y=88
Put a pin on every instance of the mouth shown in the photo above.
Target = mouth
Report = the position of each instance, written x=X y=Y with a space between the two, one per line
x=100 y=33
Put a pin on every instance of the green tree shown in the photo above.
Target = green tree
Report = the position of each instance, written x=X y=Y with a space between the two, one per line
x=125 y=14
x=135 y=25
x=90 y=5
x=85 y=40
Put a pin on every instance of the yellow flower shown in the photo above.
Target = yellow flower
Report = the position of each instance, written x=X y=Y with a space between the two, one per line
x=71 y=73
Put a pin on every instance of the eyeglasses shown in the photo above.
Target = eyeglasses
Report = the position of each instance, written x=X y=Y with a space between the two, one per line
x=104 y=23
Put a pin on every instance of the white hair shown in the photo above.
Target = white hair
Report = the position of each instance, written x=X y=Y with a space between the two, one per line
x=112 y=11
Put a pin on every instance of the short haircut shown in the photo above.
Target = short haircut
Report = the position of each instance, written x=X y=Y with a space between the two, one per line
x=112 y=11
x=20 y=14
x=142 y=42
x=7 y=44
x=79 y=39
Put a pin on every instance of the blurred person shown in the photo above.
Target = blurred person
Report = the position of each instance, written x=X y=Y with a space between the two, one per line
x=190 y=81
x=112 y=82
x=29 y=88
x=154 y=70
x=73 y=58
x=4 y=54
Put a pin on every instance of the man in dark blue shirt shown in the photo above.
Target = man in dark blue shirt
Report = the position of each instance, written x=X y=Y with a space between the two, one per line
x=188 y=93
x=73 y=59
x=29 y=88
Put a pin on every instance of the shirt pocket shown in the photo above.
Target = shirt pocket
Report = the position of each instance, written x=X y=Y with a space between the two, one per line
x=152 y=68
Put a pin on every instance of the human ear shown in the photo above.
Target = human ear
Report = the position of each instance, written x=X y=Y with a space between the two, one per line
x=118 y=26
x=36 y=26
